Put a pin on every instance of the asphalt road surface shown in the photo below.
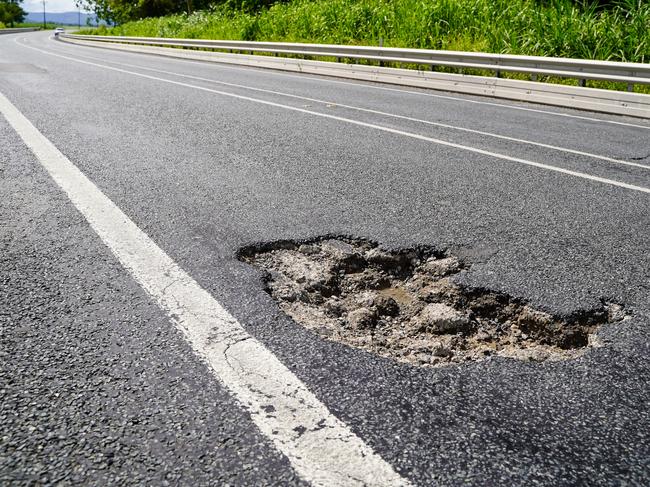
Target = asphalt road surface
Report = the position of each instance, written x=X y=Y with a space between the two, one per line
x=137 y=349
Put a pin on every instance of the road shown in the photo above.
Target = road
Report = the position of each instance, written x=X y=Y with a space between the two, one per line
x=158 y=171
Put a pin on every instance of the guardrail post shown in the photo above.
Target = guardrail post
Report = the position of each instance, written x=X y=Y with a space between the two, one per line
x=381 y=44
x=630 y=87
x=582 y=82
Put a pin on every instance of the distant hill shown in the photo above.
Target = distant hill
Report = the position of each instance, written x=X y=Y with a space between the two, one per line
x=62 y=18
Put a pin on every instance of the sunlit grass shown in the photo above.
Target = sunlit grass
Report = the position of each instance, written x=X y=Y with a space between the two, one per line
x=558 y=28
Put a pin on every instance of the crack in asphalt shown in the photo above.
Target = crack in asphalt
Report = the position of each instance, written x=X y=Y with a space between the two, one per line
x=642 y=158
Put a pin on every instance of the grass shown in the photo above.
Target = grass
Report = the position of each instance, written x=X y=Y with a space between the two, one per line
x=48 y=25
x=21 y=25
x=559 y=28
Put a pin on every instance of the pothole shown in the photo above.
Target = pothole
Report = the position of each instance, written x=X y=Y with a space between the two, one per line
x=404 y=305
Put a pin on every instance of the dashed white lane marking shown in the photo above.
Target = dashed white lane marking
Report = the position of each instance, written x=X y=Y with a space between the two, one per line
x=321 y=448
x=376 y=112
x=316 y=78
x=359 y=123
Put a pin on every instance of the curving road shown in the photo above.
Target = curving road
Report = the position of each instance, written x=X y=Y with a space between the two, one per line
x=129 y=183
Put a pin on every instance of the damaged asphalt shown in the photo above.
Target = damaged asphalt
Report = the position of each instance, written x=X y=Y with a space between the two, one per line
x=98 y=387
x=406 y=305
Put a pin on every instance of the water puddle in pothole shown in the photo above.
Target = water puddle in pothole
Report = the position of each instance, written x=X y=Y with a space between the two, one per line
x=403 y=305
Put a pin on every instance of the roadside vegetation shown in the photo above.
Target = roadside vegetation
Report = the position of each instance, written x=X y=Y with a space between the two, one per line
x=38 y=25
x=562 y=28
x=10 y=13
x=48 y=25
x=616 y=31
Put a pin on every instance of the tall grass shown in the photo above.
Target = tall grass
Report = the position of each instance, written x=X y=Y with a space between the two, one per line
x=535 y=27
x=17 y=25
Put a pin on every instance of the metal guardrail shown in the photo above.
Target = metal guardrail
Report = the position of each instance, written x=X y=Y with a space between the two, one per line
x=18 y=30
x=581 y=69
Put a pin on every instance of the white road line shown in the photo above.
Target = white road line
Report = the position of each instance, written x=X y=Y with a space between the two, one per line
x=364 y=124
x=376 y=112
x=417 y=93
x=321 y=448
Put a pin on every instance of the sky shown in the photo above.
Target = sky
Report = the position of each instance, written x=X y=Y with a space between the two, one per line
x=50 y=6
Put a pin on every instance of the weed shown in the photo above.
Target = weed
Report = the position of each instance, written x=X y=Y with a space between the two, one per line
x=558 y=28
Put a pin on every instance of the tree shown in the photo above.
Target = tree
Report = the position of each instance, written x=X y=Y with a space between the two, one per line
x=10 y=12
x=124 y=10
x=101 y=9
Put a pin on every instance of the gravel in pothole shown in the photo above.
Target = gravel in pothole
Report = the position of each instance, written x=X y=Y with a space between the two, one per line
x=405 y=305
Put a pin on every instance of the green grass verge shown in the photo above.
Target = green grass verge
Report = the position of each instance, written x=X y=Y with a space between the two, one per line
x=559 y=28
x=48 y=25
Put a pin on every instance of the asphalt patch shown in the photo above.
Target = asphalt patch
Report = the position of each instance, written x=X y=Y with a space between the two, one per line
x=405 y=305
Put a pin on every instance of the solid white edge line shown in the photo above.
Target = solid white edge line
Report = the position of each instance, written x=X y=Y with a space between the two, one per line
x=417 y=93
x=378 y=112
x=321 y=448
x=363 y=124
